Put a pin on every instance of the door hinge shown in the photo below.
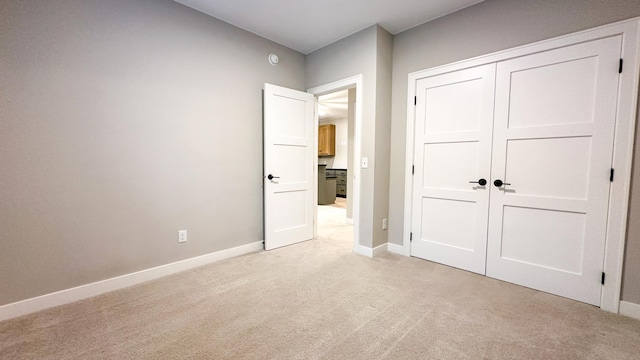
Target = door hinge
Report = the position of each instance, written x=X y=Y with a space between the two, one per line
x=620 y=67
x=410 y=236
x=602 y=279
x=611 y=175
x=415 y=100
x=413 y=169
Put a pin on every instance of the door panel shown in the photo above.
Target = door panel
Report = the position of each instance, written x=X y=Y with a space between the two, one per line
x=289 y=124
x=452 y=147
x=552 y=142
x=293 y=214
x=436 y=222
x=566 y=157
x=438 y=172
x=529 y=234
x=286 y=154
x=460 y=101
x=289 y=156
x=554 y=93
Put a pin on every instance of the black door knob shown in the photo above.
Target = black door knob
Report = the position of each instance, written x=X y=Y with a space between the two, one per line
x=481 y=182
x=499 y=183
x=271 y=177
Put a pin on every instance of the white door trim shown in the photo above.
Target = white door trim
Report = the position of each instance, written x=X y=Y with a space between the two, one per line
x=350 y=82
x=623 y=146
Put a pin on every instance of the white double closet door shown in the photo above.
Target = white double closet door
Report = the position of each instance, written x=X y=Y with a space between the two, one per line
x=543 y=125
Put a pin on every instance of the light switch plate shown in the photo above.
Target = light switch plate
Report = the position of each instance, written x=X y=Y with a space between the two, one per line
x=365 y=163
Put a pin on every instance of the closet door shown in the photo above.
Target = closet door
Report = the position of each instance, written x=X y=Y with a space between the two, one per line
x=552 y=147
x=452 y=145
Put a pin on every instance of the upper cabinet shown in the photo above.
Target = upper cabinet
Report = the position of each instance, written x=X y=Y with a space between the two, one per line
x=327 y=140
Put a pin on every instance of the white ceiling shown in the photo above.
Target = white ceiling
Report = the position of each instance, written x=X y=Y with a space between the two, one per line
x=307 y=25
x=333 y=106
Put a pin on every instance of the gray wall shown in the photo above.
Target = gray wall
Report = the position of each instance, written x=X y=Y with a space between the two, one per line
x=351 y=110
x=367 y=52
x=631 y=273
x=485 y=28
x=348 y=57
x=117 y=122
x=384 y=51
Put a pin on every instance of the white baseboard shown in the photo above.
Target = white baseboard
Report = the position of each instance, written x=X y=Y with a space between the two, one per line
x=395 y=248
x=369 y=252
x=381 y=249
x=629 y=309
x=363 y=250
x=66 y=296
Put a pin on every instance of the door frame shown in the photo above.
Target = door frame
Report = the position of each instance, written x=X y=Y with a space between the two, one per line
x=623 y=138
x=347 y=83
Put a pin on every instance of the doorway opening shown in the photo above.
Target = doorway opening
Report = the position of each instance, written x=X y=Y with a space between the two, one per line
x=338 y=176
x=335 y=159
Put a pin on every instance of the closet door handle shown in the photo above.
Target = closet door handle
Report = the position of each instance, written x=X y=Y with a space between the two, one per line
x=271 y=177
x=481 y=182
x=499 y=183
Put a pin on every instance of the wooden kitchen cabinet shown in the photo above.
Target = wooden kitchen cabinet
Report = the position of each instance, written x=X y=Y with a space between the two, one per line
x=327 y=140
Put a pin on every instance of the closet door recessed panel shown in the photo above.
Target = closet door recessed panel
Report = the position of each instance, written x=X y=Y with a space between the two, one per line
x=560 y=92
x=551 y=167
x=453 y=107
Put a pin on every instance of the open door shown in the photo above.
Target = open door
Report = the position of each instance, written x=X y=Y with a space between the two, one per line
x=289 y=153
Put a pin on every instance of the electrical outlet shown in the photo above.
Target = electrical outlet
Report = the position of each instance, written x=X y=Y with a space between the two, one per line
x=384 y=224
x=182 y=236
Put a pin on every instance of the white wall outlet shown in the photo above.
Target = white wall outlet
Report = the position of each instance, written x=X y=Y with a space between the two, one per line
x=365 y=162
x=384 y=224
x=182 y=236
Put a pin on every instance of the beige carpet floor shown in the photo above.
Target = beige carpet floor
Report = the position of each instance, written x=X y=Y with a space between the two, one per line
x=318 y=300
x=340 y=203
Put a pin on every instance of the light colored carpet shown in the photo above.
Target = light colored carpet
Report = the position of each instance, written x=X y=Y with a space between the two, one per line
x=339 y=203
x=318 y=300
x=332 y=224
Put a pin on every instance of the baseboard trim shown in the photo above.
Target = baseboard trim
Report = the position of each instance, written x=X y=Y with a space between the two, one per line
x=369 y=252
x=364 y=251
x=629 y=309
x=379 y=250
x=66 y=296
x=395 y=248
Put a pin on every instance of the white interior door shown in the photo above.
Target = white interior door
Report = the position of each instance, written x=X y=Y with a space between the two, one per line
x=289 y=150
x=553 y=142
x=454 y=114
